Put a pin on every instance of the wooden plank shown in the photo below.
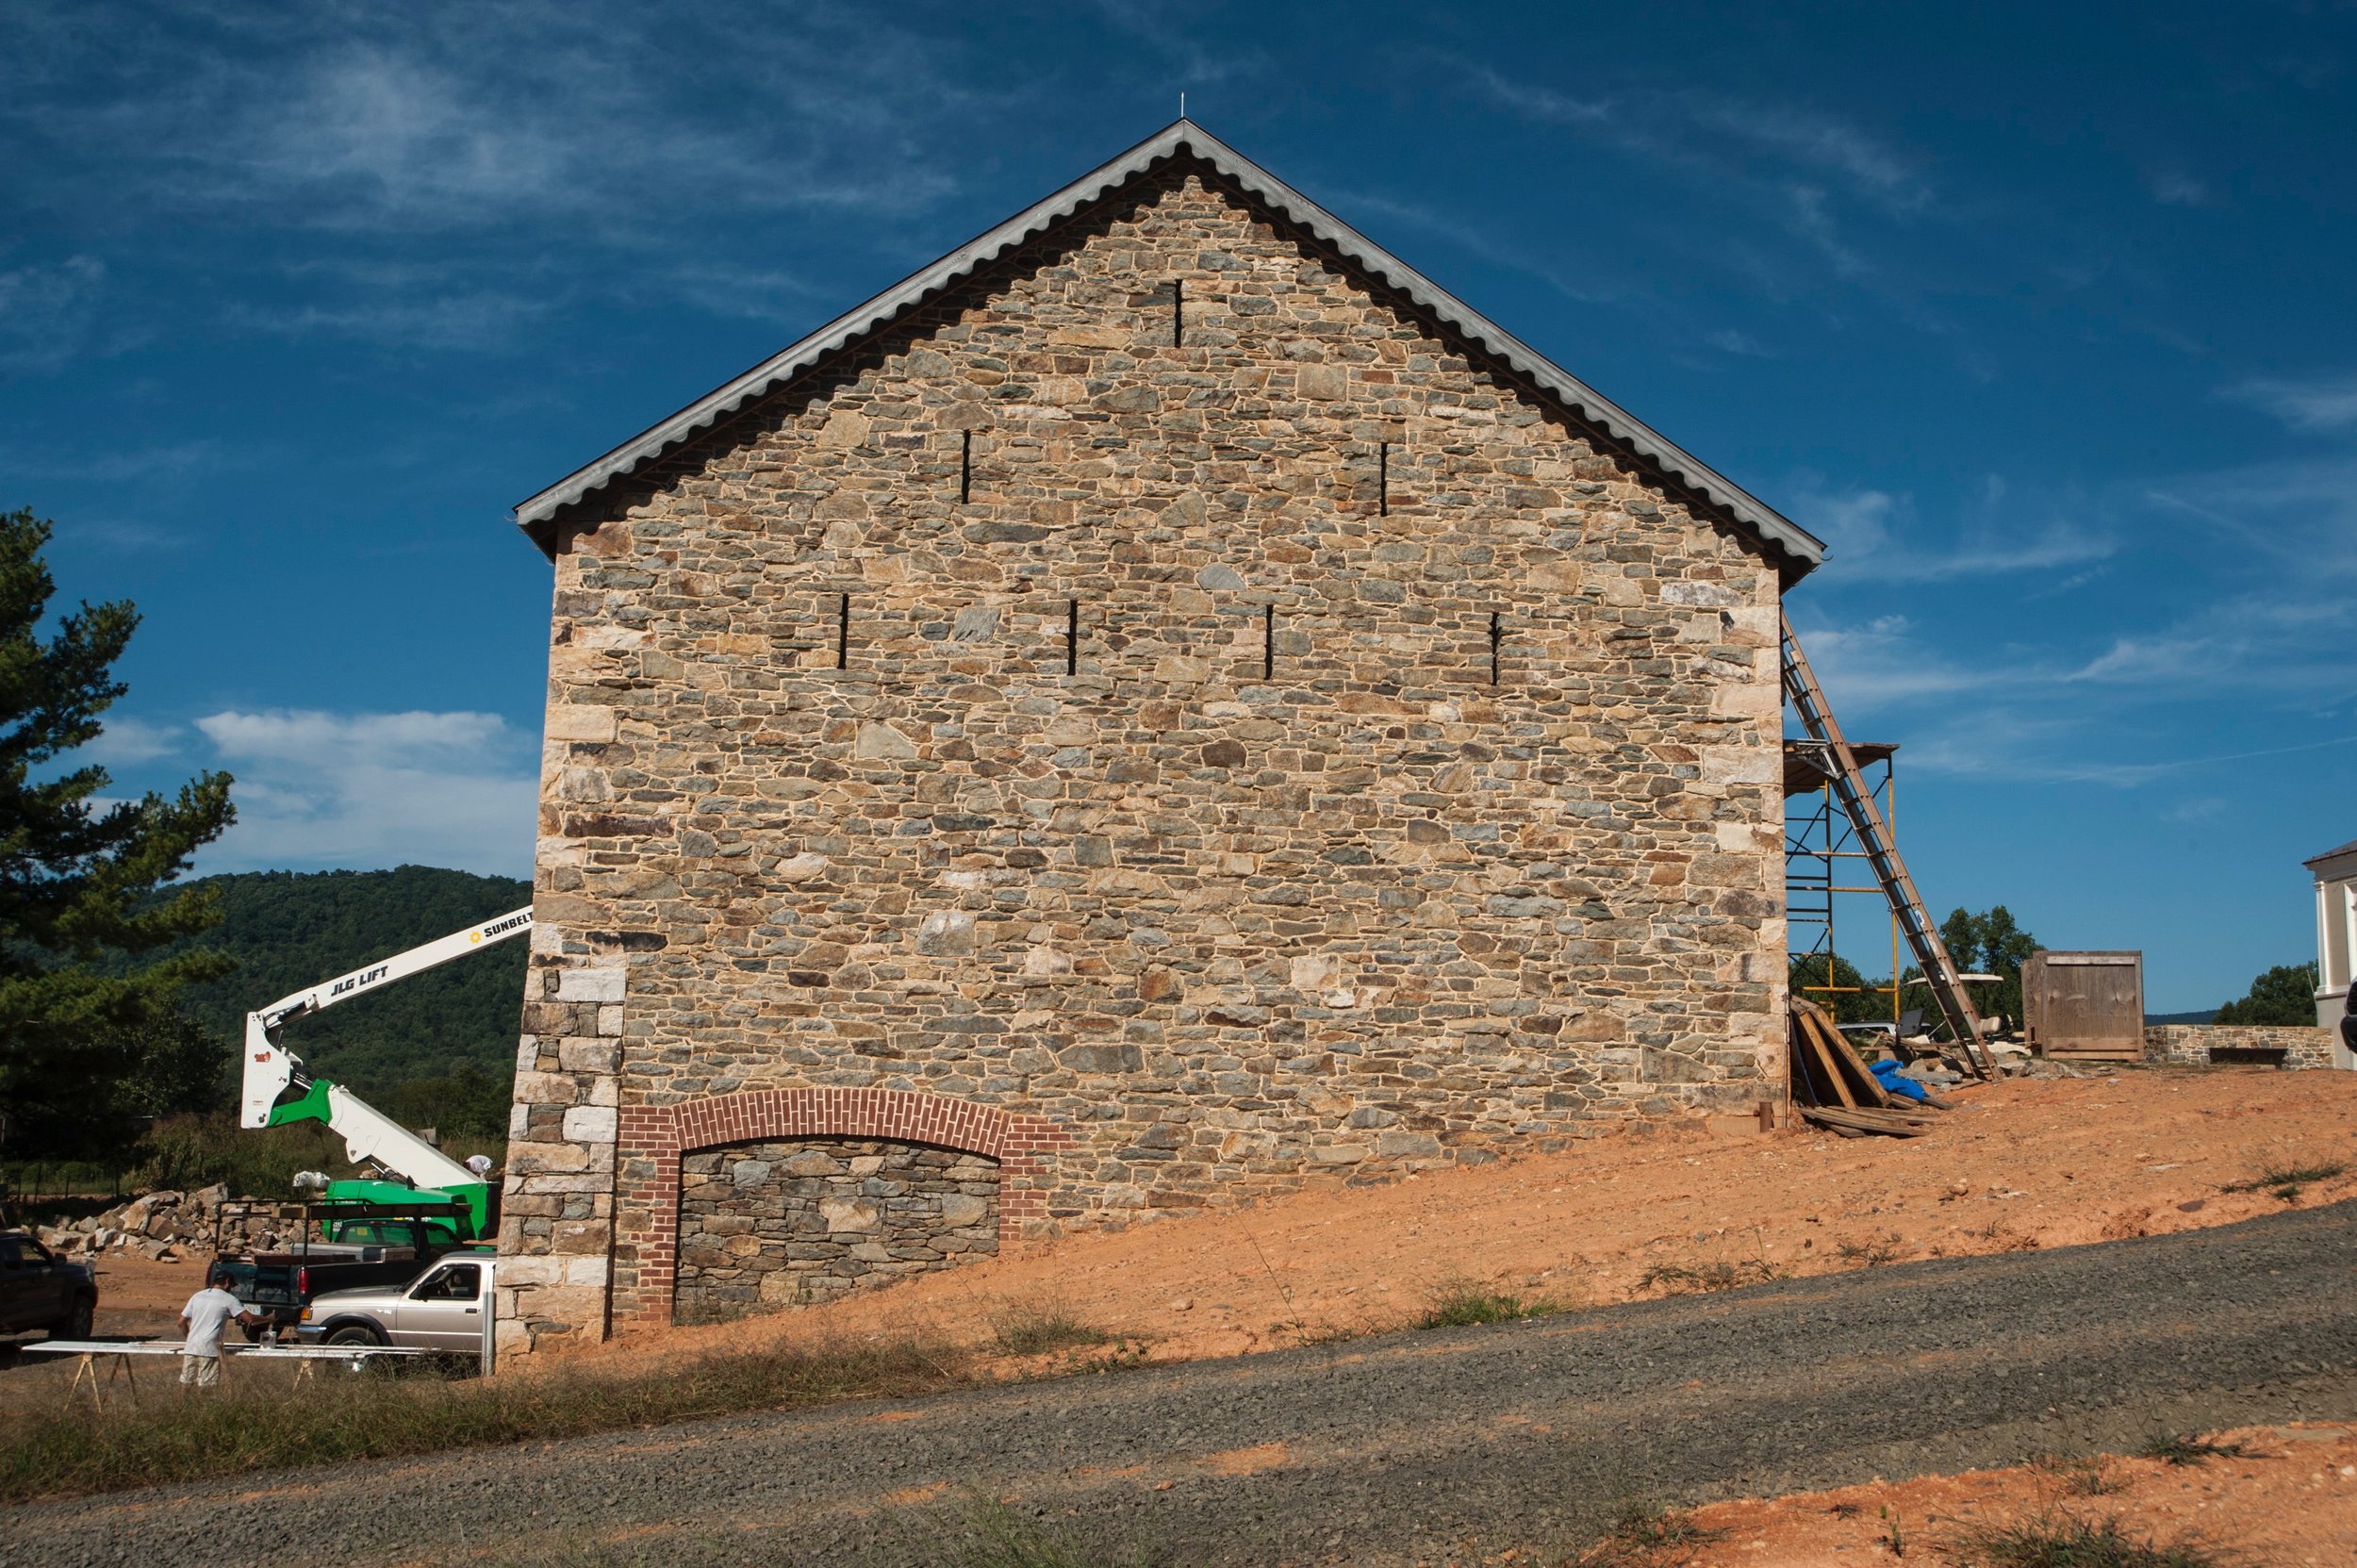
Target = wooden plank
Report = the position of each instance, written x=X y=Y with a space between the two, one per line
x=1809 y=1084
x=1870 y=1088
x=1826 y=1063
x=1862 y=1121
x=1858 y=1085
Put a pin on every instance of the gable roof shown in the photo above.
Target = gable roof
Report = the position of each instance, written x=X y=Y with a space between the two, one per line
x=1799 y=548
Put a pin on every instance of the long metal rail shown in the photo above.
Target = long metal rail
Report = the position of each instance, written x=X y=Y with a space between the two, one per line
x=1857 y=801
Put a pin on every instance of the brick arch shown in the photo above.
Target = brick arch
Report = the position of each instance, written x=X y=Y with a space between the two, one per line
x=653 y=1137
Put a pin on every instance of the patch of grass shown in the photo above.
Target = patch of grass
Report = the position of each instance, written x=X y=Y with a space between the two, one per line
x=2081 y=1477
x=71 y=1452
x=1462 y=1303
x=1875 y=1251
x=1644 y=1534
x=2175 y=1449
x=1037 y=1327
x=2286 y=1179
x=1702 y=1278
x=2056 y=1542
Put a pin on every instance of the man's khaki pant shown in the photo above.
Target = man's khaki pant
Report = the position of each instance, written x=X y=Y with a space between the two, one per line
x=203 y=1371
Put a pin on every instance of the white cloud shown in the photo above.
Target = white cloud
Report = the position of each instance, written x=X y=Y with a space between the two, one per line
x=2314 y=403
x=375 y=789
x=128 y=742
x=1874 y=535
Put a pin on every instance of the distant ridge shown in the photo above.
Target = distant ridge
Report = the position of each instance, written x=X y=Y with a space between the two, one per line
x=2205 y=1015
x=289 y=929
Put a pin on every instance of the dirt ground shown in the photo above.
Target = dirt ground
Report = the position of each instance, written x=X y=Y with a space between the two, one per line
x=2289 y=1501
x=2019 y=1165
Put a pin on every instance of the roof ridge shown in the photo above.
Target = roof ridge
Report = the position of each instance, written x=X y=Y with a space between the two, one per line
x=1180 y=136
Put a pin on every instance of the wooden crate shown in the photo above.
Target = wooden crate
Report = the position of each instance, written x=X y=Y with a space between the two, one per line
x=2084 y=1006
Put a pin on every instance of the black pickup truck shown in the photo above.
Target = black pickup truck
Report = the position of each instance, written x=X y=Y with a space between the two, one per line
x=41 y=1292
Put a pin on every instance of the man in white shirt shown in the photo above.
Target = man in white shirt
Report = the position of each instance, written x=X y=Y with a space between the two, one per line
x=202 y=1320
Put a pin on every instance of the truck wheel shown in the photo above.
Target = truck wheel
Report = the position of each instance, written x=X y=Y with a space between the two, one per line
x=75 y=1324
x=355 y=1333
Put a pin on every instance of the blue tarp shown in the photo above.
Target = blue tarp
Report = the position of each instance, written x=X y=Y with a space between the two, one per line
x=1894 y=1080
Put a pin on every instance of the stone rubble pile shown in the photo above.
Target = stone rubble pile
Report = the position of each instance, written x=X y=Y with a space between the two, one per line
x=165 y=1226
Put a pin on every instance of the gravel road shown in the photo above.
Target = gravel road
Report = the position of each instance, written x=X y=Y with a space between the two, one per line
x=1379 y=1451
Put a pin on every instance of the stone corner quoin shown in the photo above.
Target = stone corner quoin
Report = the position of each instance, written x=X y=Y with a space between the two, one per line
x=1157 y=718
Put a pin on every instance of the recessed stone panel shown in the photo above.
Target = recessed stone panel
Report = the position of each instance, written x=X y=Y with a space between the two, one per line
x=766 y=1227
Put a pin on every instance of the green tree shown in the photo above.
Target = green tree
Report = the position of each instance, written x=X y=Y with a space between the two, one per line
x=2284 y=994
x=1990 y=942
x=1854 y=1000
x=88 y=1013
x=469 y=1104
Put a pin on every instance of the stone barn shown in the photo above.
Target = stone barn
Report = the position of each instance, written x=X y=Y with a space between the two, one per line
x=1163 y=705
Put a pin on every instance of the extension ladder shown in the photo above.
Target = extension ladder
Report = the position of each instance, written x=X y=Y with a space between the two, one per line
x=1857 y=801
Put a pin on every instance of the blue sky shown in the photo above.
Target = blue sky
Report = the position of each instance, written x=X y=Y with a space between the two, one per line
x=2040 y=315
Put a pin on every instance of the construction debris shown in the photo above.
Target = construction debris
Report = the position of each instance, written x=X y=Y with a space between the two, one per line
x=1834 y=1089
x=165 y=1226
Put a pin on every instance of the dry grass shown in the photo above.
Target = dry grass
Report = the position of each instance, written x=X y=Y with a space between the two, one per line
x=2088 y=1476
x=1645 y=1534
x=1037 y=1327
x=1875 y=1251
x=1462 y=1303
x=65 y=1453
x=2286 y=1177
x=2061 y=1541
x=1704 y=1278
x=2174 y=1448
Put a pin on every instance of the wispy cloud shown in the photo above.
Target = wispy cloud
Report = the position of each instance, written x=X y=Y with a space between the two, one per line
x=1164 y=26
x=2316 y=402
x=127 y=742
x=1734 y=340
x=375 y=789
x=1875 y=535
x=531 y=154
x=1798 y=166
x=2175 y=188
x=46 y=310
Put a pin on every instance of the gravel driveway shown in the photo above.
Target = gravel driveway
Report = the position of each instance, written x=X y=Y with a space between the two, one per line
x=1377 y=1451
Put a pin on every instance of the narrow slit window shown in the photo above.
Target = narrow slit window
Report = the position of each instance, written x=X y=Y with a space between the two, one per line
x=1072 y=636
x=1177 y=313
x=965 y=467
x=1383 y=479
x=842 y=632
x=1268 y=642
x=1497 y=634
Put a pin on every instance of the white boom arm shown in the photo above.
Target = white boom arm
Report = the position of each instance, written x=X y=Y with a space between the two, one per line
x=369 y=1134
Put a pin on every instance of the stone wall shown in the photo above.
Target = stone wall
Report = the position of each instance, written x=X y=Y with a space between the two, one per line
x=767 y=1226
x=556 y=1208
x=2190 y=1044
x=1298 y=755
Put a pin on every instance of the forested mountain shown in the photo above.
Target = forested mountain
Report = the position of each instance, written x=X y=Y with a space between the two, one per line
x=288 y=929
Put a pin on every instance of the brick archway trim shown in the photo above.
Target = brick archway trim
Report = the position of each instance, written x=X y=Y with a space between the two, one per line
x=653 y=1138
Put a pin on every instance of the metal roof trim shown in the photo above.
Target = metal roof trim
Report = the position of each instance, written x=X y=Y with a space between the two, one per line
x=1181 y=136
x=2349 y=847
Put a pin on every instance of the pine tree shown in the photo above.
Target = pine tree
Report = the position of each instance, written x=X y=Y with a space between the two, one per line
x=83 y=1022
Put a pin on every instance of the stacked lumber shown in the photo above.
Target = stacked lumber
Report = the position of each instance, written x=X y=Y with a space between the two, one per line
x=1834 y=1090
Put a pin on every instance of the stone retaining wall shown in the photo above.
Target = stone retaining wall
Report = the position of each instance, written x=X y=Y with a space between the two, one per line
x=767 y=1226
x=2190 y=1044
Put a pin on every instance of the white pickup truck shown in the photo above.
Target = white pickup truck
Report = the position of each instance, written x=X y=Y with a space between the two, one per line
x=446 y=1308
